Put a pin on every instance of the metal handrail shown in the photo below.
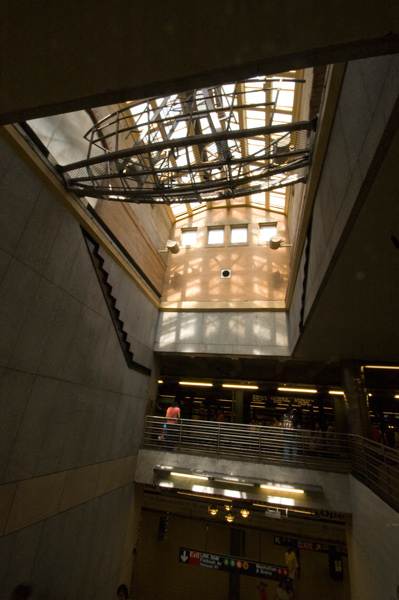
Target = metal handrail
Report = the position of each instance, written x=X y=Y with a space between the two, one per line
x=300 y=447
x=377 y=466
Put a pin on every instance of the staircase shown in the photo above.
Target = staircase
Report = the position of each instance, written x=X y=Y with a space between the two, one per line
x=102 y=275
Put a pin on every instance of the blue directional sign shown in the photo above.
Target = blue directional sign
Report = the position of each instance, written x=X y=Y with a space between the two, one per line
x=221 y=562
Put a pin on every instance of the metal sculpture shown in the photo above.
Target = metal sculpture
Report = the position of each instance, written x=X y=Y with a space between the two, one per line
x=194 y=147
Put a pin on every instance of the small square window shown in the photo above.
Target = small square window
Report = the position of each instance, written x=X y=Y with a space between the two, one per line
x=267 y=231
x=239 y=235
x=216 y=235
x=188 y=237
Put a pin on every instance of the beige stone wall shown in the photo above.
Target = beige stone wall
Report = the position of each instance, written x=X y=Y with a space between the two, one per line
x=258 y=274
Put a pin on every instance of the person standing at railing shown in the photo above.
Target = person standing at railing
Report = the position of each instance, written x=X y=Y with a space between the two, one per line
x=388 y=436
x=290 y=422
x=221 y=417
x=172 y=416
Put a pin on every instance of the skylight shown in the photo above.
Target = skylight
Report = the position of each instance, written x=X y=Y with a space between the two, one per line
x=234 y=144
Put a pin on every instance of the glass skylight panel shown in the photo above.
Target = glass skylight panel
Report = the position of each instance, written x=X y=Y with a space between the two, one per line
x=197 y=205
x=258 y=199
x=277 y=201
x=229 y=88
x=288 y=85
x=138 y=108
x=178 y=209
x=286 y=99
x=281 y=118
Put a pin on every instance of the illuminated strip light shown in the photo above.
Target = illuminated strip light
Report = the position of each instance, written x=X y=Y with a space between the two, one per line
x=236 y=482
x=190 y=476
x=397 y=396
x=302 y=390
x=160 y=380
x=379 y=367
x=240 y=387
x=207 y=496
x=282 y=489
x=196 y=383
x=210 y=490
x=336 y=393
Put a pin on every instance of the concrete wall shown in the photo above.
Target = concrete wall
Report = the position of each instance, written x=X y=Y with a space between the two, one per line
x=368 y=95
x=233 y=333
x=71 y=410
x=129 y=52
x=141 y=229
x=373 y=546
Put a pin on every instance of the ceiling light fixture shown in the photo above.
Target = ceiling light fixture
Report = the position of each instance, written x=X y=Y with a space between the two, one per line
x=240 y=387
x=198 y=383
x=171 y=246
x=189 y=475
x=244 y=512
x=213 y=509
x=229 y=517
x=281 y=488
x=301 y=390
x=380 y=367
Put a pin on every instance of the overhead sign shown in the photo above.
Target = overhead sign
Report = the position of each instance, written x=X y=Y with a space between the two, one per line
x=243 y=566
x=308 y=545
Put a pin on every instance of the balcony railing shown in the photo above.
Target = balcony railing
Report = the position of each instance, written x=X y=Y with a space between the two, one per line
x=375 y=465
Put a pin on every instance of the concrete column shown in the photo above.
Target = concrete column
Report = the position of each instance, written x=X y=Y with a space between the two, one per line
x=340 y=414
x=356 y=399
x=237 y=545
x=238 y=406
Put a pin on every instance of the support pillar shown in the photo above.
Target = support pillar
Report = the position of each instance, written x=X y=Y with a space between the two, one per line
x=340 y=414
x=356 y=399
x=237 y=548
x=238 y=406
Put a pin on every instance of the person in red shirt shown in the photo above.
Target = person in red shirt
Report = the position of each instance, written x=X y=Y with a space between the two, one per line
x=262 y=591
x=172 y=415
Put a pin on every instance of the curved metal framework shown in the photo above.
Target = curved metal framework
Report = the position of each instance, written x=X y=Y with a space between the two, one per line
x=196 y=147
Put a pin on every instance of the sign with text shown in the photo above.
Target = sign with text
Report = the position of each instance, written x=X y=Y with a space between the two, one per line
x=308 y=545
x=232 y=564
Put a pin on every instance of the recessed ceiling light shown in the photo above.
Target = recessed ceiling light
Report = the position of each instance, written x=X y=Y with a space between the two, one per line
x=380 y=367
x=240 y=387
x=198 y=383
x=301 y=390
